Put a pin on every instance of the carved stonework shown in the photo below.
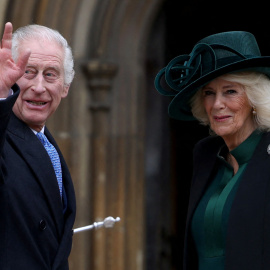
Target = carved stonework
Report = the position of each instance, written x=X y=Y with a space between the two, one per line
x=99 y=78
x=100 y=125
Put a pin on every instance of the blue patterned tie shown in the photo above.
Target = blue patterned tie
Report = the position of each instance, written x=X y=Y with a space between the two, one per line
x=54 y=158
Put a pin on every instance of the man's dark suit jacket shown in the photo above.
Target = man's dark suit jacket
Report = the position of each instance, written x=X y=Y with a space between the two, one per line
x=248 y=232
x=35 y=234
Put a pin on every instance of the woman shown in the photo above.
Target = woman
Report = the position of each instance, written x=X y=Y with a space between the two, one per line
x=224 y=83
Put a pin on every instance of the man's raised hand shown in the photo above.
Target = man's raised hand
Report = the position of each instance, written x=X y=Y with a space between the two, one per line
x=10 y=71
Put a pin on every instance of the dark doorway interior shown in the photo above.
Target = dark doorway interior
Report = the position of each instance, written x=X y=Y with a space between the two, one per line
x=169 y=143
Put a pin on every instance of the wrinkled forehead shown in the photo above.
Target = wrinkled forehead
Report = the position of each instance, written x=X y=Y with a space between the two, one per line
x=44 y=55
x=44 y=48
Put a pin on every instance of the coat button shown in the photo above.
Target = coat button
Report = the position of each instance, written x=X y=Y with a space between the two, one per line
x=42 y=225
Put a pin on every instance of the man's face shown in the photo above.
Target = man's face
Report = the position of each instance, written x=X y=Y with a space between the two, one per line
x=42 y=86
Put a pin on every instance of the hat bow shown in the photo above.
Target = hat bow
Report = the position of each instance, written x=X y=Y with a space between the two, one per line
x=185 y=68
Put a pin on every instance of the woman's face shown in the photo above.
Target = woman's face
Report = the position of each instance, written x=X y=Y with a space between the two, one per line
x=228 y=109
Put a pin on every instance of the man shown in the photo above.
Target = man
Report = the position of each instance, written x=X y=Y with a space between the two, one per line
x=36 y=212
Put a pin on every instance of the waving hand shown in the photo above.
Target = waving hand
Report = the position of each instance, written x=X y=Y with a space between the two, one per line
x=10 y=71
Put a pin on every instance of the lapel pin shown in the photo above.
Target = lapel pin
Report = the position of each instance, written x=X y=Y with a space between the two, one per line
x=268 y=149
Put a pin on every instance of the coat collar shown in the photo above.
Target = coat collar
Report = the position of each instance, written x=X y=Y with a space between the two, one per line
x=205 y=158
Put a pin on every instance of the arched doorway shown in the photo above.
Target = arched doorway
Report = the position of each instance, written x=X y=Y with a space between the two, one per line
x=134 y=150
x=177 y=28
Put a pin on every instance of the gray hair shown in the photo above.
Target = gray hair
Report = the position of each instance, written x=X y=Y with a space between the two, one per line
x=256 y=86
x=35 y=31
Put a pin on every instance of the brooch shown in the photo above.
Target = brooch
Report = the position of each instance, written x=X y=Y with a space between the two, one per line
x=268 y=149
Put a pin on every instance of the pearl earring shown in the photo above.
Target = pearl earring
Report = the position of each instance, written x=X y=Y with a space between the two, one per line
x=254 y=110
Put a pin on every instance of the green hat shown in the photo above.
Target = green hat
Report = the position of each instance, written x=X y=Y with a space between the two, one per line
x=211 y=57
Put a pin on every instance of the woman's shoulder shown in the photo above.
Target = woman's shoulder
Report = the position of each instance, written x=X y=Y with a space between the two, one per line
x=210 y=141
x=207 y=147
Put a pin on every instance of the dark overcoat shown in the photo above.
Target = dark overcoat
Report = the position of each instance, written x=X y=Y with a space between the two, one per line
x=248 y=232
x=35 y=234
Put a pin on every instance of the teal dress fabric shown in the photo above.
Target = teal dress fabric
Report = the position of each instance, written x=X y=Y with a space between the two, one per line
x=210 y=219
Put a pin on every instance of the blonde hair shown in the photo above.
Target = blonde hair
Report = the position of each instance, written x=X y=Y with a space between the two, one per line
x=257 y=88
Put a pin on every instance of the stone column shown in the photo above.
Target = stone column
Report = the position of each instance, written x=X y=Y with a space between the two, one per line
x=99 y=76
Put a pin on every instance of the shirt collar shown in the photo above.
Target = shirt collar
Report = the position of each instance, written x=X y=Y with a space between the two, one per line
x=245 y=150
x=42 y=130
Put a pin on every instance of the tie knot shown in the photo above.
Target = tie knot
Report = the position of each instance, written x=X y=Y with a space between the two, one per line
x=42 y=138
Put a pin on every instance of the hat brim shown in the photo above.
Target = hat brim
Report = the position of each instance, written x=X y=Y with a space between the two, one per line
x=179 y=107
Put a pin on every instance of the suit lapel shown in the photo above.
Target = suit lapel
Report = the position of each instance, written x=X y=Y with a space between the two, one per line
x=204 y=163
x=204 y=156
x=66 y=239
x=32 y=151
x=67 y=181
